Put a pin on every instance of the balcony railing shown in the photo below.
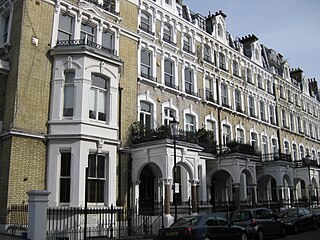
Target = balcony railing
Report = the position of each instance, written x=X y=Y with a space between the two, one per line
x=171 y=85
x=272 y=157
x=79 y=42
x=169 y=41
x=147 y=76
x=188 y=91
x=107 y=5
x=147 y=30
x=202 y=137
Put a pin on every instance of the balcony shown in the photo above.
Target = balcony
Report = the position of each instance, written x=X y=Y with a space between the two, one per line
x=148 y=76
x=107 y=5
x=273 y=157
x=242 y=148
x=171 y=85
x=83 y=42
x=188 y=91
x=147 y=30
x=168 y=40
x=188 y=50
x=204 y=138
x=140 y=134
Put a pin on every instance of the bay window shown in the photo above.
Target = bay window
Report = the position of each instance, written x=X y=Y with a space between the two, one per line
x=98 y=98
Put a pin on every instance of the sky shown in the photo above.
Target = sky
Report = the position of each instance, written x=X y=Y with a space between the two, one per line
x=290 y=27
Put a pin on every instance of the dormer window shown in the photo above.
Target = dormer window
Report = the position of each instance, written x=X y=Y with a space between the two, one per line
x=220 y=31
x=168 y=2
x=257 y=54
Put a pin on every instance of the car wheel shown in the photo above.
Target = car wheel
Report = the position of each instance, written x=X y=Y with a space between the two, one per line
x=315 y=226
x=283 y=232
x=260 y=235
x=243 y=236
x=295 y=228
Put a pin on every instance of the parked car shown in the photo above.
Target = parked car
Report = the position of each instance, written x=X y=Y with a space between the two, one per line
x=298 y=219
x=202 y=227
x=259 y=222
x=316 y=211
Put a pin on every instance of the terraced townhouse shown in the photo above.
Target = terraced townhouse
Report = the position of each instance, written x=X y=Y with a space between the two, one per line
x=97 y=84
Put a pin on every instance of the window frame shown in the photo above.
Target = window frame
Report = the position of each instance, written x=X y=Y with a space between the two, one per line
x=145 y=115
x=69 y=32
x=190 y=125
x=68 y=95
x=96 y=177
x=98 y=92
x=146 y=69
x=224 y=95
x=170 y=75
x=189 y=80
x=65 y=177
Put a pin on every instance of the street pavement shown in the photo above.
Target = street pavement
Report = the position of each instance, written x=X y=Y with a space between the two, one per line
x=8 y=237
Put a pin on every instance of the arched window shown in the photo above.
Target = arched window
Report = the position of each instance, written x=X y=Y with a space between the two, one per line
x=167 y=33
x=145 y=22
x=187 y=44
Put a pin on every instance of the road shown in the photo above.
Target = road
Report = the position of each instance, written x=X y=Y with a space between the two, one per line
x=309 y=235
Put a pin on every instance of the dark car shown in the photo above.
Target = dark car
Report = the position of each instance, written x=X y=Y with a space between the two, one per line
x=259 y=222
x=316 y=211
x=298 y=219
x=202 y=227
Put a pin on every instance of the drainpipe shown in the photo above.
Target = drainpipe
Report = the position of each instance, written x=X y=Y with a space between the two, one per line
x=219 y=117
x=119 y=151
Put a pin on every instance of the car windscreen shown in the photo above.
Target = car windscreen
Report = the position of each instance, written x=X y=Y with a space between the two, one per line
x=241 y=216
x=186 y=222
x=289 y=213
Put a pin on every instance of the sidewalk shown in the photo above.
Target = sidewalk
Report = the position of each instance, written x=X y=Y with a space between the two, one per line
x=8 y=237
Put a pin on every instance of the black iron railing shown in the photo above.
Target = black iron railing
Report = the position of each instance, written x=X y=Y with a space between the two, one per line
x=107 y=5
x=147 y=30
x=79 y=42
x=276 y=157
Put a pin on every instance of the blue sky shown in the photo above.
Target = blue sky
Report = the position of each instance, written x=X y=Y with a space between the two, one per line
x=290 y=27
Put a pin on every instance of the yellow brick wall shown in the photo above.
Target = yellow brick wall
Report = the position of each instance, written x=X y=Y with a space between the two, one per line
x=129 y=55
x=27 y=168
x=33 y=68
x=5 y=151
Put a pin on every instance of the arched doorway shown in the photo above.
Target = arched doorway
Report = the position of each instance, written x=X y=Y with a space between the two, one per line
x=221 y=191
x=149 y=189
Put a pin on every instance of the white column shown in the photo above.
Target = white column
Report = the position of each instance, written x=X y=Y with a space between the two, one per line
x=37 y=223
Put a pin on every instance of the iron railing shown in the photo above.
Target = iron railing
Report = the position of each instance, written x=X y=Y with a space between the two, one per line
x=107 y=5
x=17 y=218
x=79 y=42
